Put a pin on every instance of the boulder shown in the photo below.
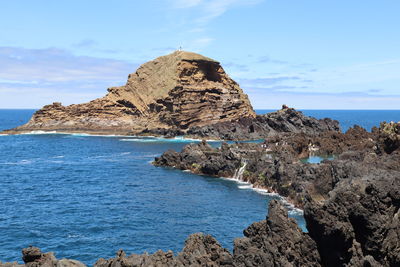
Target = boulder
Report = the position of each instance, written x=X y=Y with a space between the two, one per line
x=200 y=250
x=33 y=257
x=276 y=241
x=359 y=225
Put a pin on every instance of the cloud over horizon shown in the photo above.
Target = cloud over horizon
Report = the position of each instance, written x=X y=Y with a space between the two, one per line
x=56 y=74
x=51 y=74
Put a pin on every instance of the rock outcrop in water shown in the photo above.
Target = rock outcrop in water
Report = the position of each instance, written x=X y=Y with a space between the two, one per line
x=199 y=250
x=276 y=241
x=171 y=93
x=285 y=120
x=276 y=165
x=33 y=257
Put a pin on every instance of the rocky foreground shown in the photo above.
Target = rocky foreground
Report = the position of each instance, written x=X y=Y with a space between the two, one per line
x=351 y=204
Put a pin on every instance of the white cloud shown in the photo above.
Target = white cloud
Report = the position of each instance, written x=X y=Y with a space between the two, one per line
x=384 y=75
x=194 y=16
x=210 y=9
x=186 y=3
x=53 y=65
x=198 y=44
x=34 y=77
x=273 y=100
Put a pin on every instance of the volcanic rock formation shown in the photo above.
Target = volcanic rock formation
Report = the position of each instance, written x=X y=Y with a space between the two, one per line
x=276 y=164
x=285 y=120
x=33 y=257
x=176 y=91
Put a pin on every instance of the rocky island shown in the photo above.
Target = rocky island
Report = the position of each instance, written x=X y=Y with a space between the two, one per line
x=182 y=93
x=169 y=94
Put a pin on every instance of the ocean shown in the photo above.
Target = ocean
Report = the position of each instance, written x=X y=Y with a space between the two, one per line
x=84 y=197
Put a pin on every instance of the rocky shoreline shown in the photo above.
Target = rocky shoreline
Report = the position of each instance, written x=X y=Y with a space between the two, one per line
x=276 y=165
x=352 y=212
x=261 y=126
x=358 y=225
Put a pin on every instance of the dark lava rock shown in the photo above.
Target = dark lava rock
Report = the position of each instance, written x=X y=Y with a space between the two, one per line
x=276 y=241
x=277 y=170
x=203 y=159
x=359 y=225
x=199 y=250
x=31 y=254
x=286 y=120
x=275 y=164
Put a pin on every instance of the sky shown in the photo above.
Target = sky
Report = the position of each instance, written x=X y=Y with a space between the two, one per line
x=307 y=54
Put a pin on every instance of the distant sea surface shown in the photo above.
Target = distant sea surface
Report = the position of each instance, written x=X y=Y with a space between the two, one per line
x=85 y=197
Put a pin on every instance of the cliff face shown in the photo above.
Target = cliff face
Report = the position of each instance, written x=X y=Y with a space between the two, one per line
x=176 y=91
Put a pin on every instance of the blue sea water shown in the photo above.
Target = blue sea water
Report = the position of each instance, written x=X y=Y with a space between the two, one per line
x=85 y=197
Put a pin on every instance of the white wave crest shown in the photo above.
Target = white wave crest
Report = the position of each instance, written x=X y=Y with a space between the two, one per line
x=21 y=162
x=245 y=186
x=40 y=132
x=292 y=210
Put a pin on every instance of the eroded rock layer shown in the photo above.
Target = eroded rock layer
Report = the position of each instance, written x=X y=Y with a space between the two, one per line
x=176 y=91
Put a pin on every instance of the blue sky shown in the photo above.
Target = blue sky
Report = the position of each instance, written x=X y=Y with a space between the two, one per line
x=309 y=54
